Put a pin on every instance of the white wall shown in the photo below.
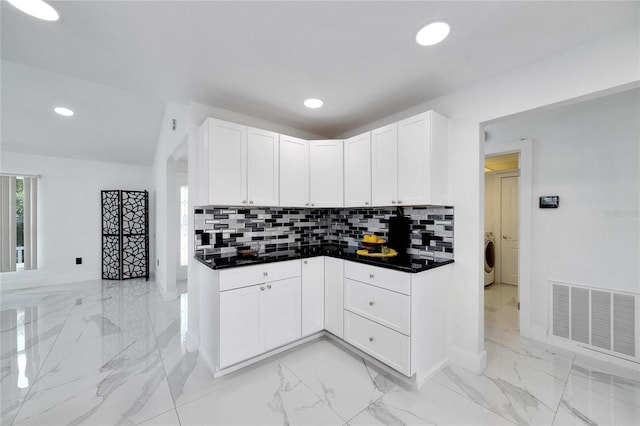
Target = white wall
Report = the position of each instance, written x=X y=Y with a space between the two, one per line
x=69 y=214
x=602 y=65
x=589 y=155
x=164 y=184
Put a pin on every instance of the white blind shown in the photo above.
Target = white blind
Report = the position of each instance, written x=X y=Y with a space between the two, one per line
x=7 y=223
x=30 y=223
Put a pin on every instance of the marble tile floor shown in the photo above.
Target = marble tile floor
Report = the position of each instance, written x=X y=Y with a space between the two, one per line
x=108 y=353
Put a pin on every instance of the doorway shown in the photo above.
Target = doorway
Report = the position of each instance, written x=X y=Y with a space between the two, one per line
x=501 y=295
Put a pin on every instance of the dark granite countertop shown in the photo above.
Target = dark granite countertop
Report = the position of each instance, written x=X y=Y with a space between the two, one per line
x=406 y=263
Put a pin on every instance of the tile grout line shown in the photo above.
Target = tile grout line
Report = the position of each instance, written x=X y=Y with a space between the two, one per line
x=280 y=361
x=37 y=377
x=164 y=368
x=564 y=389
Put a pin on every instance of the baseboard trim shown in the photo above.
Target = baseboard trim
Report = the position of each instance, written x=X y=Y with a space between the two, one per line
x=230 y=369
x=38 y=278
x=167 y=296
x=473 y=361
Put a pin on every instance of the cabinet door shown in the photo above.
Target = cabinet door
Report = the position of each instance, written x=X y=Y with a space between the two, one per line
x=333 y=295
x=384 y=166
x=326 y=173
x=414 y=158
x=294 y=172
x=312 y=295
x=280 y=312
x=227 y=163
x=262 y=167
x=357 y=171
x=240 y=336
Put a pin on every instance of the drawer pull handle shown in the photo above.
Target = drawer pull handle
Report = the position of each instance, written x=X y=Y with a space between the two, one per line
x=370 y=275
x=261 y=288
x=269 y=286
x=265 y=273
x=371 y=339
x=371 y=303
x=305 y=262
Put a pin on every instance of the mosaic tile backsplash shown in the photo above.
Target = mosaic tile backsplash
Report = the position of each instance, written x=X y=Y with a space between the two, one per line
x=225 y=230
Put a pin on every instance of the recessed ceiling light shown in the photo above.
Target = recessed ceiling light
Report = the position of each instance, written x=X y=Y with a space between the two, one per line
x=432 y=34
x=63 y=111
x=36 y=8
x=313 y=103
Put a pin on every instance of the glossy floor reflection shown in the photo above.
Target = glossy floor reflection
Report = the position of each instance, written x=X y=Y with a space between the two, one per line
x=106 y=353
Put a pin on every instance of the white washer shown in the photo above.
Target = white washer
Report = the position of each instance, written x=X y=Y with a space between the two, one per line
x=489 y=258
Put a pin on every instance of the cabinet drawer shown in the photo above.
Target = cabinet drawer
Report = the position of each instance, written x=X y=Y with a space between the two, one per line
x=245 y=276
x=384 y=344
x=382 y=306
x=380 y=277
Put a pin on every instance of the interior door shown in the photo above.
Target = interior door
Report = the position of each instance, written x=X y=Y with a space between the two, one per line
x=509 y=230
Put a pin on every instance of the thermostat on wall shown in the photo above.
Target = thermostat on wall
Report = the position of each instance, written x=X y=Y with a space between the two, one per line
x=549 y=202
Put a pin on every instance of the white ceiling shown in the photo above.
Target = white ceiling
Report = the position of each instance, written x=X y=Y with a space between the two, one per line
x=119 y=61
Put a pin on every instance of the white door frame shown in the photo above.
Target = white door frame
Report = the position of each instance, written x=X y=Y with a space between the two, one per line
x=525 y=200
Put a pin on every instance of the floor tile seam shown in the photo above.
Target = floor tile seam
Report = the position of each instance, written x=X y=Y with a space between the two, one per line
x=527 y=365
x=320 y=398
x=91 y=339
x=591 y=389
x=365 y=408
x=570 y=356
x=482 y=406
x=37 y=376
x=158 y=415
x=164 y=368
x=492 y=378
x=555 y=414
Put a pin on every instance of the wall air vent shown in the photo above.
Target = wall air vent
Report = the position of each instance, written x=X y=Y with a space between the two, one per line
x=596 y=318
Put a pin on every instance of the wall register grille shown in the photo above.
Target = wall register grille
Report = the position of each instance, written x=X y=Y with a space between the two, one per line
x=125 y=234
x=600 y=319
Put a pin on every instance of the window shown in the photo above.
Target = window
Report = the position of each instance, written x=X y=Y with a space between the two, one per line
x=18 y=222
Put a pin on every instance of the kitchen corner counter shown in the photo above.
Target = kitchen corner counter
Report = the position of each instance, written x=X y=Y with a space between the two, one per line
x=406 y=263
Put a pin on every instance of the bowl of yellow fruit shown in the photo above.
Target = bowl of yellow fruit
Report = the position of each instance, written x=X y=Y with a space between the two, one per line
x=371 y=241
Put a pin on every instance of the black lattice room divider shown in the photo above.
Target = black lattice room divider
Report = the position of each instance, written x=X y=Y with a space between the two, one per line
x=125 y=234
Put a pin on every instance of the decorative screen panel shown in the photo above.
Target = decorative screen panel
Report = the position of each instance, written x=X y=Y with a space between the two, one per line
x=125 y=234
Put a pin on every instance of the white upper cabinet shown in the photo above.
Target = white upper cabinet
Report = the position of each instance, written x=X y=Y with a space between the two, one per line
x=410 y=163
x=404 y=163
x=262 y=167
x=423 y=159
x=240 y=164
x=326 y=173
x=384 y=165
x=294 y=172
x=227 y=162
x=357 y=171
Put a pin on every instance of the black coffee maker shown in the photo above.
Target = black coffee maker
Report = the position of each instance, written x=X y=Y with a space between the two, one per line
x=399 y=232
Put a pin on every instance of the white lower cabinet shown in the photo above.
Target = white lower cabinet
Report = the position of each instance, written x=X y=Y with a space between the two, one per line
x=385 y=307
x=312 y=295
x=240 y=336
x=399 y=318
x=388 y=346
x=280 y=312
x=258 y=318
x=333 y=295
